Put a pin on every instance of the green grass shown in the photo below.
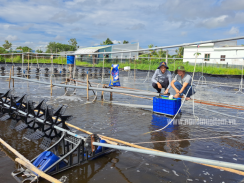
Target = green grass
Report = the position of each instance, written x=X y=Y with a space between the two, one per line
x=141 y=64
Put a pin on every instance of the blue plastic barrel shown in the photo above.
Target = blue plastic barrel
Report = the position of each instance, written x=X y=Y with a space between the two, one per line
x=70 y=60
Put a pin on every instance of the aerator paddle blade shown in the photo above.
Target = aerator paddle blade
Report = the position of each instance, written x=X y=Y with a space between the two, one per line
x=36 y=135
x=60 y=111
x=4 y=117
x=28 y=133
x=45 y=143
x=21 y=126
x=13 y=124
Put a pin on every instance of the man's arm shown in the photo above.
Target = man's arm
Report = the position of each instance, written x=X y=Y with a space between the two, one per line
x=173 y=86
x=170 y=80
x=153 y=79
x=169 y=85
x=183 y=88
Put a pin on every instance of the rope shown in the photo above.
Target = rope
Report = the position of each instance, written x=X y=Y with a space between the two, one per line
x=189 y=139
x=193 y=104
x=220 y=113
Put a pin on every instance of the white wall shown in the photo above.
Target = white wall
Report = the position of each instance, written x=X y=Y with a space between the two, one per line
x=215 y=52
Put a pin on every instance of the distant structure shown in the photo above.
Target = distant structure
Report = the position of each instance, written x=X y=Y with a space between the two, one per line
x=18 y=50
x=219 y=50
x=109 y=48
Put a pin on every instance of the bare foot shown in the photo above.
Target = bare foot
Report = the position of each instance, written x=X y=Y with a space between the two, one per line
x=187 y=98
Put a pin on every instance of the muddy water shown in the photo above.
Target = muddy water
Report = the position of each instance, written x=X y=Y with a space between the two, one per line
x=129 y=124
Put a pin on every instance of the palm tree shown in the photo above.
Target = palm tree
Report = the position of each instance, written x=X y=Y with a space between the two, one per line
x=179 y=52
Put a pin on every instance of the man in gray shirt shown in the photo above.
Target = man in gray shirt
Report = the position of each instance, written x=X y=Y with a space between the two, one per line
x=182 y=83
x=162 y=78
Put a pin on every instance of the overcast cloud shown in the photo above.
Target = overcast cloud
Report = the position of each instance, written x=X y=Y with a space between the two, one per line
x=159 y=22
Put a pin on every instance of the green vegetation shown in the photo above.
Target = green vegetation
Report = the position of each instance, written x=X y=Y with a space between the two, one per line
x=24 y=49
x=7 y=44
x=142 y=64
x=54 y=47
x=107 y=42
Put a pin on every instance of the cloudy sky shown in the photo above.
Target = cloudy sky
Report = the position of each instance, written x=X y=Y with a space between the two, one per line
x=34 y=23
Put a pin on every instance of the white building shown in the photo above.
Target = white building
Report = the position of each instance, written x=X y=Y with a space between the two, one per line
x=220 y=52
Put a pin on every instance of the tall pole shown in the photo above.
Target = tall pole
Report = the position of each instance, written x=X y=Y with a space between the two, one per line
x=28 y=66
x=51 y=87
x=22 y=64
x=13 y=75
x=87 y=88
x=134 y=67
x=103 y=66
x=9 y=78
x=167 y=57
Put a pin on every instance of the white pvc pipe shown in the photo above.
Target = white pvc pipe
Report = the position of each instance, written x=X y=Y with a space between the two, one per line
x=92 y=88
x=175 y=156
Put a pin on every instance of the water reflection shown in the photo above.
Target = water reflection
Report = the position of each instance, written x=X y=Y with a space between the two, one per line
x=171 y=132
x=87 y=171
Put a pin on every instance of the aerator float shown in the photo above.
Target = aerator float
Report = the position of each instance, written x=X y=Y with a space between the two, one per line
x=42 y=122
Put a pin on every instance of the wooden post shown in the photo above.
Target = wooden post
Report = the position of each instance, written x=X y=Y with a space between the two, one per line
x=87 y=88
x=23 y=161
x=13 y=75
x=51 y=87
x=102 y=93
x=36 y=170
x=110 y=96
x=9 y=77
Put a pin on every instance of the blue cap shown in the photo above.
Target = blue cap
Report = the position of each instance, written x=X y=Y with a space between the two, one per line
x=163 y=64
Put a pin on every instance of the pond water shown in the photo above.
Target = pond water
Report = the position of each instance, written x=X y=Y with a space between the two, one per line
x=130 y=124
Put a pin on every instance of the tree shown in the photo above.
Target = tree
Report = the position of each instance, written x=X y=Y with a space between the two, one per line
x=179 y=52
x=107 y=42
x=2 y=50
x=73 y=42
x=150 y=46
x=125 y=42
x=160 y=53
x=7 y=44
x=53 y=47
x=39 y=51
x=24 y=49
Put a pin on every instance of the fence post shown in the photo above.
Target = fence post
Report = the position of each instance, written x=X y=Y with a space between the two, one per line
x=13 y=75
x=134 y=67
x=51 y=87
x=87 y=88
x=9 y=78
x=28 y=66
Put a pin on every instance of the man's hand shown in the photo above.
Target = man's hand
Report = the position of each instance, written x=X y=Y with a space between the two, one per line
x=165 y=92
x=159 y=85
x=176 y=95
